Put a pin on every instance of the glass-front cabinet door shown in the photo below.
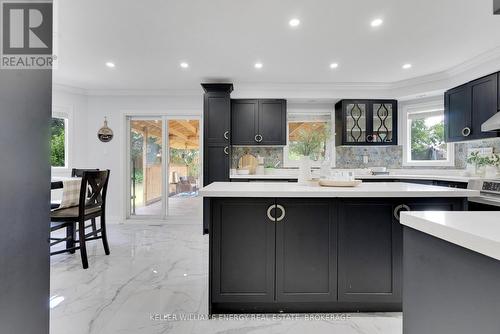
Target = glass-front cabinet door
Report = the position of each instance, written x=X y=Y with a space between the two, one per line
x=355 y=122
x=382 y=116
x=366 y=122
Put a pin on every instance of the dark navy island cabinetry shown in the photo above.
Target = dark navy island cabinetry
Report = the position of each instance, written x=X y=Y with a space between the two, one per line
x=309 y=254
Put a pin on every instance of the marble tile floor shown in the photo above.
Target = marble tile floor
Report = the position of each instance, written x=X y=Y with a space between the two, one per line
x=161 y=270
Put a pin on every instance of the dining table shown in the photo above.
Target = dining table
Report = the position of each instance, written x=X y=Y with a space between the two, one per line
x=56 y=182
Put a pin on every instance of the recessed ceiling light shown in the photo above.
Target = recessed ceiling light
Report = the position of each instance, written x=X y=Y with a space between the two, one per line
x=110 y=64
x=294 y=22
x=377 y=22
x=334 y=65
x=184 y=65
x=258 y=65
x=407 y=66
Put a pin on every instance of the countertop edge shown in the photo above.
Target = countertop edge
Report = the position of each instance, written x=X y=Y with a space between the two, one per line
x=448 y=178
x=455 y=236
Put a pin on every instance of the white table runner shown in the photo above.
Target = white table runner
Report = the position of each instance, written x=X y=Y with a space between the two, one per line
x=71 y=192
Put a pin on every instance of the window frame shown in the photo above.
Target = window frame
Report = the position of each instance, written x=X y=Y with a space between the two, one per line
x=406 y=133
x=65 y=113
x=288 y=163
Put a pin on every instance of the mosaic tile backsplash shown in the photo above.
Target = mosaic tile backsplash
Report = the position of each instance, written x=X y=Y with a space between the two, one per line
x=273 y=156
x=378 y=156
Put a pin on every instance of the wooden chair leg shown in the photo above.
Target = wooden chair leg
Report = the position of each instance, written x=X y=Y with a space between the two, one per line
x=104 y=235
x=71 y=236
x=83 y=247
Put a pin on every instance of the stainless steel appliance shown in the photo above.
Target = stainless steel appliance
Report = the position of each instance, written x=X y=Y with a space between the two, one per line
x=490 y=194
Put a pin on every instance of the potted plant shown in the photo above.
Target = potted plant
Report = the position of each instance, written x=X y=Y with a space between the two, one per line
x=484 y=165
x=492 y=162
x=476 y=160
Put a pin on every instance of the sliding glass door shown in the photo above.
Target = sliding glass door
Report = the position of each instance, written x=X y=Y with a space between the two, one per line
x=183 y=165
x=159 y=187
x=146 y=167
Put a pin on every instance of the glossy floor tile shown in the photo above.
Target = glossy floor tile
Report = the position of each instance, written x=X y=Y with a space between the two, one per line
x=155 y=281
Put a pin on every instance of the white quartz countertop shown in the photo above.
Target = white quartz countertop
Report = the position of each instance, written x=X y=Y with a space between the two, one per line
x=476 y=230
x=291 y=175
x=287 y=189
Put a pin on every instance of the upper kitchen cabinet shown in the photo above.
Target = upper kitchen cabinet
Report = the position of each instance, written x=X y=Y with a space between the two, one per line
x=217 y=112
x=366 y=122
x=258 y=122
x=244 y=122
x=470 y=105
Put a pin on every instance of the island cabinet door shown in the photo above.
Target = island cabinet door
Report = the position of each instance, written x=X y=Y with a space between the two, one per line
x=370 y=247
x=306 y=250
x=243 y=254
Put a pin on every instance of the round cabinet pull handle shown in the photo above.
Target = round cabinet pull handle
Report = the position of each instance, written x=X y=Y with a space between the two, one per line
x=226 y=135
x=226 y=150
x=280 y=218
x=258 y=138
x=399 y=208
x=269 y=212
x=466 y=131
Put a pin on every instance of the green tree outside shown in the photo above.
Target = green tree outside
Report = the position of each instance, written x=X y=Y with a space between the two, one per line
x=427 y=142
x=57 y=142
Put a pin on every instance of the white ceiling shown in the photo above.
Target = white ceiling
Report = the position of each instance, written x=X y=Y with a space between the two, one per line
x=222 y=39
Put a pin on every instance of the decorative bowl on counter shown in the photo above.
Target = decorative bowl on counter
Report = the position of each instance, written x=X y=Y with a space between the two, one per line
x=339 y=183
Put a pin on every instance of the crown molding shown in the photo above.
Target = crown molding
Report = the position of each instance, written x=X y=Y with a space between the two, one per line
x=68 y=89
x=145 y=92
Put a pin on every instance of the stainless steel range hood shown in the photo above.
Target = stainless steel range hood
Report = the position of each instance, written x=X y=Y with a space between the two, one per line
x=492 y=124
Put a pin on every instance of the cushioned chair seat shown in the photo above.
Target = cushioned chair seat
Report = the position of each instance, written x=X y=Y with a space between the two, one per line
x=72 y=212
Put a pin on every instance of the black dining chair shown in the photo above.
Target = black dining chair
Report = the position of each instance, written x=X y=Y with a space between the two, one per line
x=78 y=172
x=92 y=204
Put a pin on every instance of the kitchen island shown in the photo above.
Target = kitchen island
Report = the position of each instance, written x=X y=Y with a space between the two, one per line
x=285 y=247
x=451 y=272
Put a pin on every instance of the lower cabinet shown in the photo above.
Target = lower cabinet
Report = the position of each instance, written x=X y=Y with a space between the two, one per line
x=243 y=255
x=273 y=250
x=370 y=249
x=306 y=251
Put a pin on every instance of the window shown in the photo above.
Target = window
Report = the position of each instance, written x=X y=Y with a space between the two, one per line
x=58 y=142
x=424 y=143
x=307 y=137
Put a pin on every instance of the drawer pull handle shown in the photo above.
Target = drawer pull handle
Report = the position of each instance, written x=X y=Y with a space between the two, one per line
x=466 y=131
x=226 y=150
x=226 y=135
x=269 y=209
x=280 y=218
x=258 y=138
x=399 y=208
